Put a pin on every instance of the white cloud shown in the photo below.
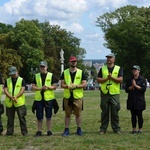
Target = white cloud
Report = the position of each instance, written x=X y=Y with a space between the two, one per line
x=77 y=16
x=48 y=10
x=110 y=3
x=75 y=27
x=93 y=35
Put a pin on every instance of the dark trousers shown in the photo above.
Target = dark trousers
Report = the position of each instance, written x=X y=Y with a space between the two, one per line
x=21 y=112
x=1 y=125
x=136 y=114
x=110 y=106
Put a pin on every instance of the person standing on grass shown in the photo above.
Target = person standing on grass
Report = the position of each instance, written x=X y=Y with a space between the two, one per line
x=15 y=101
x=44 y=86
x=110 y=77
x=135 y=87
x=1 y=90
x=73 y=81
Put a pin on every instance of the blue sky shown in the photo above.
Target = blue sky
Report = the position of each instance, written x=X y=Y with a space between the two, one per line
x=77 y=16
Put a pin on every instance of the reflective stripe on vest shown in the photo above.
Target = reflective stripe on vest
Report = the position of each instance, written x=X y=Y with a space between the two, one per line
x=17 y=88
x=1 y=90
x=78 y=92
x=48 y=94
x=110 y=85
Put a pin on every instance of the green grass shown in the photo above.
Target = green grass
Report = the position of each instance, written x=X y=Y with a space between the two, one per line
x=90 y=125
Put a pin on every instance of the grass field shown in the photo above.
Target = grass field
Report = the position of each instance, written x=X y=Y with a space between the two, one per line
x=91 y=140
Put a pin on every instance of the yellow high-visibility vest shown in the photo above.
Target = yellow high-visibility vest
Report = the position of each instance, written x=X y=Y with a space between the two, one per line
x=78 y=92
x=1 y=91
x=110 y=85
x=17 y=88
x=48 y=94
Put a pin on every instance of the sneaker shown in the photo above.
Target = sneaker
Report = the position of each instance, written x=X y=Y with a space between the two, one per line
x=134 y=132
x=139 y=131
x=118 y=132
x=66 y=132
x=49 y=133
x=101 y=132
x=79 y=132
x=38 y=133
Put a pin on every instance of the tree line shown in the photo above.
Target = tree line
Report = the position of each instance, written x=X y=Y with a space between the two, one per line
x=127 y=34
x=30 y=41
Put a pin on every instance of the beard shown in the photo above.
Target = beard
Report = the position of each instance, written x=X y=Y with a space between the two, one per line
x=73 y=66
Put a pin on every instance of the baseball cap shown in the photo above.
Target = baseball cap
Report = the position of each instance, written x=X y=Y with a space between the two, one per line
x=12 y=70
x=72 y=58
x=43 y=63
x=136 y=67
x=110 y=55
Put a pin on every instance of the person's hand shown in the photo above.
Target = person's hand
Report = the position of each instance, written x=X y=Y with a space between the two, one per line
x=133 y=83
x=73 y=86
x=44 y=87
x=70 y=87
x=109 y=76
x=14 y=99
x=131 y=88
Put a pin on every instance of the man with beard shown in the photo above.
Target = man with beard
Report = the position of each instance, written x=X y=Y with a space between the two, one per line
x=110 y=76
x=73 y=81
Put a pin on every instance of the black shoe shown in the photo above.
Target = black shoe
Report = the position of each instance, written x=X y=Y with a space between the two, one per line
x=25 y=134
x=38 y=133
x=134 y=132
x=8 y=134
x=49 y=133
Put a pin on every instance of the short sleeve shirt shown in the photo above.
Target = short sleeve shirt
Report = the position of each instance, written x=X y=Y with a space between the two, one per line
x=120 y=74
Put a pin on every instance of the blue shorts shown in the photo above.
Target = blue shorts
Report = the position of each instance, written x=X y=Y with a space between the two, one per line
x=40 y=106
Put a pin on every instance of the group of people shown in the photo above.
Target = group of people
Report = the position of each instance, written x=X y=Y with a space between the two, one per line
x=110 y=77
x=73 y=81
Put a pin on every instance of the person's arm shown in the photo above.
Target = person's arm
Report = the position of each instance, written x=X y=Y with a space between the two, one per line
x=100 y=79
x=63 y=83
x=53 y=84
x=118 y=79
x=128 y=86
x=7 y=93
x=21 y=91
x=34 y=87
x=82 y=85
x=142 y=87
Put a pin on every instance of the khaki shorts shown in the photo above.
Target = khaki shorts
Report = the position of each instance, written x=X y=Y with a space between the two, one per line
x=75 y=109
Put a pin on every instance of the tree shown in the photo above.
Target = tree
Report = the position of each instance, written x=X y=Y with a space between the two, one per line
x=7 y=60
x=33 y=42
x=26 y=39
x=127 y=31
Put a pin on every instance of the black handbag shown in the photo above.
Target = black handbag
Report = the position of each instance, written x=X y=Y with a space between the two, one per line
x=1 y=109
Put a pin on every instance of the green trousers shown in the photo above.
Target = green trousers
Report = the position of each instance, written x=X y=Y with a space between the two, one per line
x=21 y=112
x=110 y=106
